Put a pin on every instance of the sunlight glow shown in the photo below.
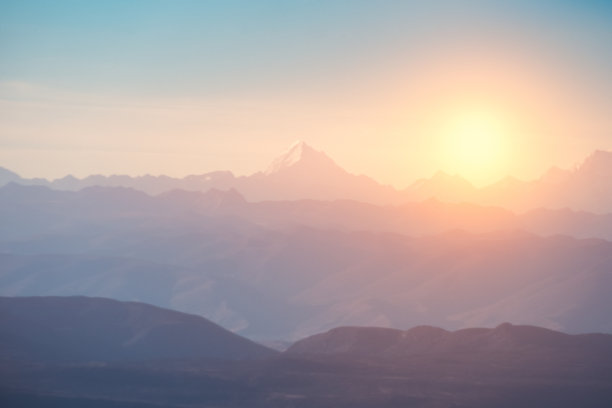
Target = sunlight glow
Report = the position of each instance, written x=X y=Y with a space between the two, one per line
x=475 y=145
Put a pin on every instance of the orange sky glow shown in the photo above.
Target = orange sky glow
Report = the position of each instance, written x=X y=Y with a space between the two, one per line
x=396 y=92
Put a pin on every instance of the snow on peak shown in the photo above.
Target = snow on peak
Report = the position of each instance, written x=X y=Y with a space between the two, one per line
x=298 y=152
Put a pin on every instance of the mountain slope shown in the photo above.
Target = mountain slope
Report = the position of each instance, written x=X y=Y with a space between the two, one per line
x=584 y=188
x=322 y=279
x=34 y=209
x=98 y=329
x=303 y=172
x=302 y=158
x=7 y=176
x=325 y=264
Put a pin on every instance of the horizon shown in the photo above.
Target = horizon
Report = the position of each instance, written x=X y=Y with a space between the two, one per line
x=264 y=170
x=395 y=91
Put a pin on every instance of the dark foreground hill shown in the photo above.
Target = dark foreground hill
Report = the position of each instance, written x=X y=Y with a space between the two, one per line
x=508 y=366
x=83 y=329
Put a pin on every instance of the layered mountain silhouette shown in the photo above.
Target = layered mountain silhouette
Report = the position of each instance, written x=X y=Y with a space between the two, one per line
x=299 y=173
x=27 y=209
x=305 y=251
x=324 y=264
x=302 y=172
x=585 y=188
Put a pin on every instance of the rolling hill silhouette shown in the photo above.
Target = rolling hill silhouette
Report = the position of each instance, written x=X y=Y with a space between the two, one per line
x=65 y=329
x=97 y=352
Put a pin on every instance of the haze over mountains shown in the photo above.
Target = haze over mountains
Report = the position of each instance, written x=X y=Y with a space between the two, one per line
x=323 y=264
x=181 y=261
x=303 y=172
x=386 y=303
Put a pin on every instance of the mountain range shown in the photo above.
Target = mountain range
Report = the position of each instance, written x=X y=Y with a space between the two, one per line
x=303 y=172
x=79 y=351
x=323 y=264
x=137 y=291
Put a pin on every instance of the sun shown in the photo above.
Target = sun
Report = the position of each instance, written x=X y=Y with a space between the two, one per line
x=475 y=145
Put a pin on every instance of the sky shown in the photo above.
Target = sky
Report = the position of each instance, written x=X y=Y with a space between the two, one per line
x=393 y=89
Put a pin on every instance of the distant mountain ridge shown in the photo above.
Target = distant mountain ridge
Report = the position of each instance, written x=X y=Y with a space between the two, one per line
x=18 y=205
x=303 y=172
x=422 y=340
x=324 y=264
x=299 y=173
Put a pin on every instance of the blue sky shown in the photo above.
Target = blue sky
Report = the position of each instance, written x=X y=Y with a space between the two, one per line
x=183 y=87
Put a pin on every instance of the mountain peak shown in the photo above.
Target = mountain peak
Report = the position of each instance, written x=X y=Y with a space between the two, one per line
x=299 y=153
x=599 y=163
x=7 y=176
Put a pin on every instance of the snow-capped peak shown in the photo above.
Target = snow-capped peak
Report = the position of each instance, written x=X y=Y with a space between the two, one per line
x=298 y=152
